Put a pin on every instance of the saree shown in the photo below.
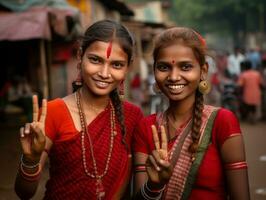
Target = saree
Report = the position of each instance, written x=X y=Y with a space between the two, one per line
x=68 y=179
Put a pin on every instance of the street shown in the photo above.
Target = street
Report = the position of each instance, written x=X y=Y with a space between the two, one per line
x=255 y=142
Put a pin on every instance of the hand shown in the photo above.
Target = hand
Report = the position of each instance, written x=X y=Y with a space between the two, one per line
x=32 y=135
x=159 y=168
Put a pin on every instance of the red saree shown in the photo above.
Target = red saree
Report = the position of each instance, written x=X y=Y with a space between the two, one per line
x=67 y=177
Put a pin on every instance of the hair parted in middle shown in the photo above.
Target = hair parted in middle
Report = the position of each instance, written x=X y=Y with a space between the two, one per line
x=190 y=38
x=109 y=31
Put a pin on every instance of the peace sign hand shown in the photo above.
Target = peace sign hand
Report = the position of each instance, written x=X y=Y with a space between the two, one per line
x=159 y=168
x=32 y=135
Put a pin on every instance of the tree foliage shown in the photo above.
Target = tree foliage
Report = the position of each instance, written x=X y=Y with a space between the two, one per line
x=231 y=16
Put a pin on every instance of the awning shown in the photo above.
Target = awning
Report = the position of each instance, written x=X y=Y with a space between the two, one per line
x=35 y=23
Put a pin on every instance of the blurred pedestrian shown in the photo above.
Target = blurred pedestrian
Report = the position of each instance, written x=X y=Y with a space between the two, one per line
x=250 y=80
x=191 y=150
x=87 y=135
x=234 y=61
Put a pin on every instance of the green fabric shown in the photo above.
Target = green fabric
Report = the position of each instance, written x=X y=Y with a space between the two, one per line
x=199 y=156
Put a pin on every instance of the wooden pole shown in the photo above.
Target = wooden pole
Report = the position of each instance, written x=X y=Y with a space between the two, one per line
x=44 y=77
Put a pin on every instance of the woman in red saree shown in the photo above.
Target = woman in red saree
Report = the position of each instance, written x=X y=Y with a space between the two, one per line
x=87 y=135
x=191 y=150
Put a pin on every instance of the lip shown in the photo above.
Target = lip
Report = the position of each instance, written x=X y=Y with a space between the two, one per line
x=101 y=84
x=175 y=88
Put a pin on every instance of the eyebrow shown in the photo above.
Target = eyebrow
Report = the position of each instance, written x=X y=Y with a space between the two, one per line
x=101 y=58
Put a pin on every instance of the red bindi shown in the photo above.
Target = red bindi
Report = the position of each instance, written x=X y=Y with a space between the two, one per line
x=173 y=61
x=109 y=50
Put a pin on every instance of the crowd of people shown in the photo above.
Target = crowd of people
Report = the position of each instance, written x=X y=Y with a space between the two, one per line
x=97 y=142
x=239 y=83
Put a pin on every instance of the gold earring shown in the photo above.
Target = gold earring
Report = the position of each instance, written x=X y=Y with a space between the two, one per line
x=204 y=87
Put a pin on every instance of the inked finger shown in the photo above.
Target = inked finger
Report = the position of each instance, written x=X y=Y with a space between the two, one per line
x=35 y=106
x=44 y=111
x=155 y=137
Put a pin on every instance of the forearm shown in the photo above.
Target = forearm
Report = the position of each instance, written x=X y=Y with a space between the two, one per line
x=27 y=179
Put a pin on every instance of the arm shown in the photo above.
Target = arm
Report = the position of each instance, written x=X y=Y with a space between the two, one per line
x=153 y=171
x=33 y=142
x=233 y=155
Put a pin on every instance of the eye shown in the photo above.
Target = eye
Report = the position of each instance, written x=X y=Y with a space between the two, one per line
x=94 y=59
x=186 y=66
x=118 y=65
x=162 y=67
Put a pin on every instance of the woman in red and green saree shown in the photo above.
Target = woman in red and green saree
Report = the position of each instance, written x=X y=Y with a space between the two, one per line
x=191 y=150
x=86 y=135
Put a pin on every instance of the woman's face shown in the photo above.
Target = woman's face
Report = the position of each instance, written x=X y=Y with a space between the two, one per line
x=103 y=66
x=178 y=73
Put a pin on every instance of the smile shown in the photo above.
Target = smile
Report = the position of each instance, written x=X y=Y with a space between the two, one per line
x=102 y=84
x=176 y=87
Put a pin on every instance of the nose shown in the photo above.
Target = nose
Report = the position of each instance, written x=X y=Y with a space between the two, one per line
x=174 y=75
x=104 y=72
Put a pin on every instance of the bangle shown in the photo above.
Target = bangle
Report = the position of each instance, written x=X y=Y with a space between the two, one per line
x=28 y=166
x=147 y=197
x=30 y=177
x=153 y=190
x=236 y=165
x=140 y=168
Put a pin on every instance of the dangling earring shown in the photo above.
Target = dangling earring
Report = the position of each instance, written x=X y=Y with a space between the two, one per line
x=204 y=87
x=156 y=88
x=78 y=81
x=121 y=90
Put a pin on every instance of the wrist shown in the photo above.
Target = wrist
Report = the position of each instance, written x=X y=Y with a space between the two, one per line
x=29 y=161
x=154 y=186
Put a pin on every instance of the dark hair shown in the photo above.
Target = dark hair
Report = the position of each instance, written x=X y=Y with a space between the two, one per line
x=106 y=31
x=195 y=41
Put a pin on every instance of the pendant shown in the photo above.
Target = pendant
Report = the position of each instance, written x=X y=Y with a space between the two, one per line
x=100 y=193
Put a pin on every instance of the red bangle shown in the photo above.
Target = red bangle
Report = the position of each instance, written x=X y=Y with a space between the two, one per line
x=236 y=165
x=31 y=177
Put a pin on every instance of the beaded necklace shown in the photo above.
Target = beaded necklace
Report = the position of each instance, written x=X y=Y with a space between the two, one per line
x=100 y=193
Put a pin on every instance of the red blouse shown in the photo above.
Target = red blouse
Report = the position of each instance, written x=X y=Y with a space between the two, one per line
x=210 y=182
x=68 y=179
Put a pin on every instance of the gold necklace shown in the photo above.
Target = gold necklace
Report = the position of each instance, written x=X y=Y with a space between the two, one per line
x=100 y=193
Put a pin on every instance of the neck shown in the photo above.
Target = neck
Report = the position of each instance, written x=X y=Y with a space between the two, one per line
x=181 y=110
x=96 y=103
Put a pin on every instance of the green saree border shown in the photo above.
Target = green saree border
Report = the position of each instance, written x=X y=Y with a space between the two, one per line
x=199 y=156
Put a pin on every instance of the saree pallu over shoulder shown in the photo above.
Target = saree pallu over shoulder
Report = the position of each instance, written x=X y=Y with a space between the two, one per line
x=68 y=179
x=182 y=180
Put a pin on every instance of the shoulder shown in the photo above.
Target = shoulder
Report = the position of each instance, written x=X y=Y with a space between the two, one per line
x=131 y=109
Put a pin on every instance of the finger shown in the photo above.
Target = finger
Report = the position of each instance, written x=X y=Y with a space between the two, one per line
x=27 y=129
x=44 y=111
x=155 y=137
x=164 y=138
x=35 y=106
x=156 y=156
x=153 y=163
x=21 y=131
x=36 y=127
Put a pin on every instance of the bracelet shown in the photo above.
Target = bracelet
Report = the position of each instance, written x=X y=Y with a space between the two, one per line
x=147 y=197
x=28 y=166
x=30 y=177
x=153 y=190
x=236 y=165
x=140 y=168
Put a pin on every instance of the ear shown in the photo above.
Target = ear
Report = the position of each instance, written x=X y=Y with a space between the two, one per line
x=204 y=71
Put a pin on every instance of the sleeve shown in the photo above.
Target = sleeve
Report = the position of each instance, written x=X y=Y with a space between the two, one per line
x=226 y=125
x=50 y=125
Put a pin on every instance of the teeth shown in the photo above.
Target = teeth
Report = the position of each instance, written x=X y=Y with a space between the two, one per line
x=100 y=83
x=175 y=87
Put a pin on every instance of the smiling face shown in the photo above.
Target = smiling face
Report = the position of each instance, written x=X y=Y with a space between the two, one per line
x=178 y=72
x=102 y=68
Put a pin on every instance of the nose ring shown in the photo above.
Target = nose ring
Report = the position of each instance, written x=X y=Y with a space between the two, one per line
x=168 y=78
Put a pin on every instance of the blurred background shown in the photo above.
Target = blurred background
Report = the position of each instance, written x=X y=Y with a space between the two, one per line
x=38 y=43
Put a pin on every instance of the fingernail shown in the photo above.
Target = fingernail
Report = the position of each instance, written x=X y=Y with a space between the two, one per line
x=158 y=169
